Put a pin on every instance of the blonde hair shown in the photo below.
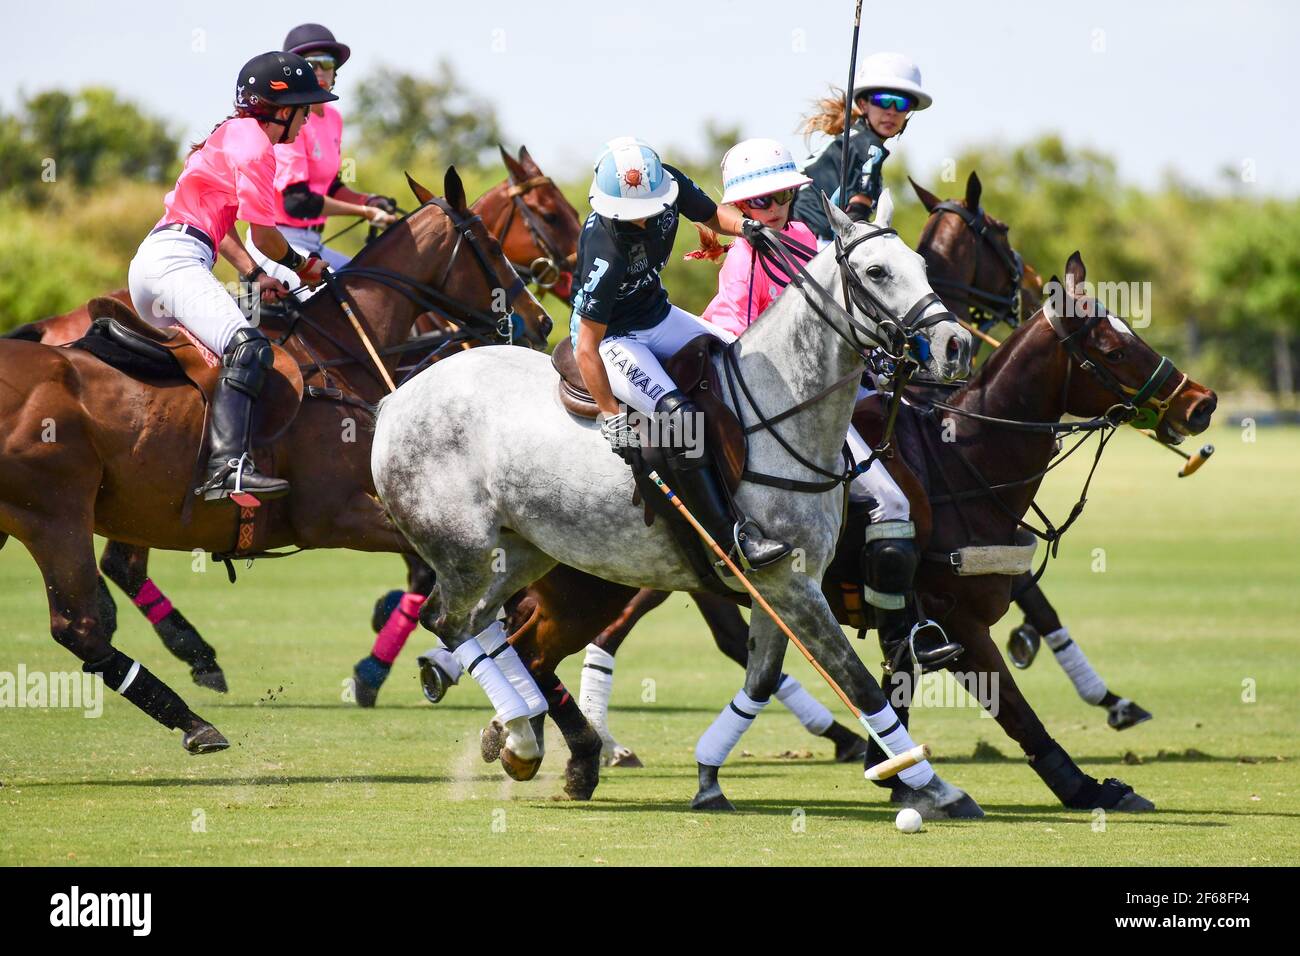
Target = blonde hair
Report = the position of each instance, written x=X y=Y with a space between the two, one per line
x=828 y=115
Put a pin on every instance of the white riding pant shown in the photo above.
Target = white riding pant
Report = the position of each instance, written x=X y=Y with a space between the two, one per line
x=307 y=242
x=876 y=481
x=171 y=281
x=636 y=377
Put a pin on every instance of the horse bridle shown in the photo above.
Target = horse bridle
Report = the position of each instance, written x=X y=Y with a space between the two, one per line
x=487 y=327
x=547 y=268
x=770 y=245
x=986 y=308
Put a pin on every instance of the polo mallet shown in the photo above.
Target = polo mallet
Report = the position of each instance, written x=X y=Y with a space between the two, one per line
x=361 y=332
x=894 y=763
x=1194 y=461
x=848 y=109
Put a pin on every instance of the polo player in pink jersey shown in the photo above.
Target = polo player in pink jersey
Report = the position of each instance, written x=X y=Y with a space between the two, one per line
x=230 y=176
x=307 y=185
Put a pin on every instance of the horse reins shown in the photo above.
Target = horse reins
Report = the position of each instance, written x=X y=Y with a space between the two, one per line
x=771 y=247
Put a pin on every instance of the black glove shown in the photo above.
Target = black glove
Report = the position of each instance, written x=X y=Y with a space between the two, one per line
x=387 y=203
x=750 y=228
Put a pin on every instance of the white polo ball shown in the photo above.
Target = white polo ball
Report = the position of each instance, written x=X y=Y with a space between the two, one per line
x=908 y=820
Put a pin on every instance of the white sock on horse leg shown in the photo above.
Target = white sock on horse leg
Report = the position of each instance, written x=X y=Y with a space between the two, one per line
x=494 y=644
x=446 y=660
x=726 y=730
x=812 y=713
x=1075 y=664
x=593 y=692
x=509 y=705
x=890 y=729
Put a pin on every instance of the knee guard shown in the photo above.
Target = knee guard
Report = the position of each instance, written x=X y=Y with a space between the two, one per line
x=247 y=358
x=889 y=563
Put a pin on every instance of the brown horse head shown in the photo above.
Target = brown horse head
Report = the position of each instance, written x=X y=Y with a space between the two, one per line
x=1111 y=365
x=535 y=224
x=968 y=254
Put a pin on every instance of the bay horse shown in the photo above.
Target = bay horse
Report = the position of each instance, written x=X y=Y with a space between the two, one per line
x=89 y=449
x=537 y=229
x=1081 y=361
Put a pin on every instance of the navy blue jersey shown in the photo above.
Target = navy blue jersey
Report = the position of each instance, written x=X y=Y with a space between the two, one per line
x=867 y=155
x=619 y=263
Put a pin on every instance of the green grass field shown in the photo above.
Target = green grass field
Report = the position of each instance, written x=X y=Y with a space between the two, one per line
x=1197 y=605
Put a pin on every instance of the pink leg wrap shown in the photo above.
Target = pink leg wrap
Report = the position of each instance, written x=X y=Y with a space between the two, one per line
x=153 y=604
x=392 y=636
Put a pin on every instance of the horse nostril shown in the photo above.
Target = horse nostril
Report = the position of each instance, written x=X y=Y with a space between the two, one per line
x=954 y=349
x=1199 y=419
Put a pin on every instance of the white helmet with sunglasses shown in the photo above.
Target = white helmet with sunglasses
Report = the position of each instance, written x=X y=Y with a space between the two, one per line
x=892 y=73
x=757 y=168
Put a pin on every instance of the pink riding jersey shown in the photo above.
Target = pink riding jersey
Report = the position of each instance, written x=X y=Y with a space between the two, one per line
x=231 y=177
x=745 y=291
x=312 y=158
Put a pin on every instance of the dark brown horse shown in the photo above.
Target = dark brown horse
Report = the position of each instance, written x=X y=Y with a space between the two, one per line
x=88 y=449
x=537 y=229
x=983 y=483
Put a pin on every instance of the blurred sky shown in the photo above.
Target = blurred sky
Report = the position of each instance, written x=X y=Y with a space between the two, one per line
x=1188 y=86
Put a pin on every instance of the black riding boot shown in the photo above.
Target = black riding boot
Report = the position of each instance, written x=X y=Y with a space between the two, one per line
x=889 y=562
x=702 y=490
x=230 y=469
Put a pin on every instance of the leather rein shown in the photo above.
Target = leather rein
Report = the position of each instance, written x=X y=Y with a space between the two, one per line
x=985 y=308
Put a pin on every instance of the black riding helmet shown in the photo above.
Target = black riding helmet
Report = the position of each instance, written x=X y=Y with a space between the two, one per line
x=310 y=37
x=272 y=80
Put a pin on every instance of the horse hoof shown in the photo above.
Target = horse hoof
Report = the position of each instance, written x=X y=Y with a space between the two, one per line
x=204 y=739
x=851 y=751
x=581 y=775
x=434 y=681
x=517 y=767
x=712 y=799
x=491 y=740
x=938 y=800
x=1022 y=646
x=1124 y=714
x=211 y=677
x=1119 y=797
x=622 y=757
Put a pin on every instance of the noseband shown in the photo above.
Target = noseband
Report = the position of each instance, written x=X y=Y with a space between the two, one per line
x=986 y=308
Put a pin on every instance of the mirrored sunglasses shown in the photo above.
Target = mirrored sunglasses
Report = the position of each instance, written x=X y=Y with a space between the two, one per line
x=771 y=199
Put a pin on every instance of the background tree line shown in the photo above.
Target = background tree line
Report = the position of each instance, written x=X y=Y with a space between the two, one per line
x=82 y=176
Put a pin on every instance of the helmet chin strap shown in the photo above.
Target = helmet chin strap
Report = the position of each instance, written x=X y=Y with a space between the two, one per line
x=286 y=123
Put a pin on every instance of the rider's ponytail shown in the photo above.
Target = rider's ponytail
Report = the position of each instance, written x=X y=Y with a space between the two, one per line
x=828 y=115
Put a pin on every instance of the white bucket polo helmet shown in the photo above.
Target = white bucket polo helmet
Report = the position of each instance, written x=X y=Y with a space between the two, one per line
x=891 y=71
x=757 y=167
x=630 y=181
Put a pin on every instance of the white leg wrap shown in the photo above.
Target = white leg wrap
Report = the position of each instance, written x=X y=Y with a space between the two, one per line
x=494 y=644
x=812 y=713
x=726 y=730
x=891 y=730
x=593 y=693
x=1075 y=664
x=509 y=705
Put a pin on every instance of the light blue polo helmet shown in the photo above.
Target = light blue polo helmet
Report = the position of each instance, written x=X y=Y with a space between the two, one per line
x=630 y=182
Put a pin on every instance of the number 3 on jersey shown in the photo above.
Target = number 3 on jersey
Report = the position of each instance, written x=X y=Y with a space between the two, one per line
x=593 y=278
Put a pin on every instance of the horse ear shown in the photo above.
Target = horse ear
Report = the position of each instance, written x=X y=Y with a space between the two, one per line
x=1075 y=271
x=928 y=199
x=841 y=224
x=526 y=159
x=454 y=190
x=512 y=166
x=1052 y=290
x=884 y=210
x=973 y=190
x=421 y=193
